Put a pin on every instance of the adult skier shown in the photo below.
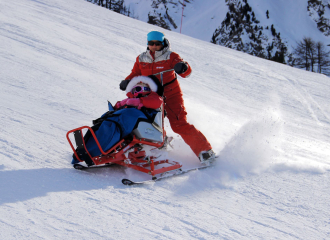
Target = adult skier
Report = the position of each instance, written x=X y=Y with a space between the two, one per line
x=158 y=58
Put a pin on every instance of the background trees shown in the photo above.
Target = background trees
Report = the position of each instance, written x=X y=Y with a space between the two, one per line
x=241 y=30
x=323 y=61
x=311 y=56
x=114 y=5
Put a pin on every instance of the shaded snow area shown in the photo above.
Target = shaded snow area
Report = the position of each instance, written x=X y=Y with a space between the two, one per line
x=269 y=123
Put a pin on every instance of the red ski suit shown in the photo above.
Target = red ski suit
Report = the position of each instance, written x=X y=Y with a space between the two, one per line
x=148 y=64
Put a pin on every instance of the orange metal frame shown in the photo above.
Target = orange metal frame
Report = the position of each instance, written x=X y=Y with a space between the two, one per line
x=136 y=159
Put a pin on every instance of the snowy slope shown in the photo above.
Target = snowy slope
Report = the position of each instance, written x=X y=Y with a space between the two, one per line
x=202 y=18
x=290 y=18
x=61 y=60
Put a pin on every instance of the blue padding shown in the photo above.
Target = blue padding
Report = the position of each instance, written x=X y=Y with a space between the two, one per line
x=113 y=129
x=110 y=107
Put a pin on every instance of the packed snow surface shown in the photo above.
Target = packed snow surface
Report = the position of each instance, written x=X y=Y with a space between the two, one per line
x=269 y=123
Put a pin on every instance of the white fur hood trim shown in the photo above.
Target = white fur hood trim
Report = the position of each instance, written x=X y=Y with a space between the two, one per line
x=144 y=79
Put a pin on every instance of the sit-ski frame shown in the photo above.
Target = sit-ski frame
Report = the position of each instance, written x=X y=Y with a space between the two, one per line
x=135 y=159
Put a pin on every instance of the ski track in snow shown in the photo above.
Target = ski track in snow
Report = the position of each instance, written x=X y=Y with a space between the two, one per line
x=269 y=124
x=314 y=108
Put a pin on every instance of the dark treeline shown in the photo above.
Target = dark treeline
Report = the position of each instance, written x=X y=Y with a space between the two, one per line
x=308 y=54
x=311 y=56
x=114 y=5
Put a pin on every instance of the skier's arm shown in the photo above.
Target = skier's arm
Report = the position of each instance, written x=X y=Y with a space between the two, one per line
x=153 y=101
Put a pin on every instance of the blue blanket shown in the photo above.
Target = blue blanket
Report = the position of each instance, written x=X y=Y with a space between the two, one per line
x=112 y=127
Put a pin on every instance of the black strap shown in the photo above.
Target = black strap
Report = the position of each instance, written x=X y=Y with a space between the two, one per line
x=166 y=84
x=80 y=150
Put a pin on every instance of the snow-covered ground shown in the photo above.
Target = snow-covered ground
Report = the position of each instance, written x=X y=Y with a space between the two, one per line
x=201 y=18
x=62 y=60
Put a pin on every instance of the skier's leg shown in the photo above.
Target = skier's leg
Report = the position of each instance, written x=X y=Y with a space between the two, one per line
x=177 y=116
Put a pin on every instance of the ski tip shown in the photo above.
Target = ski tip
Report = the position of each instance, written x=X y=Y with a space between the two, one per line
x=127 y=182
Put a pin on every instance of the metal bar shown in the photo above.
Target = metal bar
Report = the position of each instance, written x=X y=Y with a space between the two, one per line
x=164 y=71
x=166 y=169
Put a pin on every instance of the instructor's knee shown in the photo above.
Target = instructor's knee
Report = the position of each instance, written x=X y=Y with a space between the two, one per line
x=180 y=126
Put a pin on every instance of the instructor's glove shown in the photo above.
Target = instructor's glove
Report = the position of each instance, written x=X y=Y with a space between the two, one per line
x=123 y=84
x=180 y=67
